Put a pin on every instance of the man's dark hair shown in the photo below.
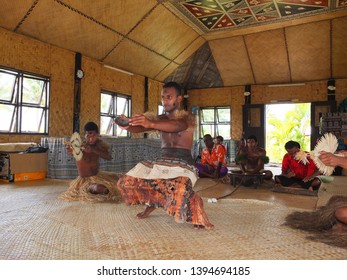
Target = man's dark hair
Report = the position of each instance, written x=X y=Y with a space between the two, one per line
x=291 y=144
x=207 y=136
x=91 y=126
x=252 y=137
x=220 y=138
x=174 y=85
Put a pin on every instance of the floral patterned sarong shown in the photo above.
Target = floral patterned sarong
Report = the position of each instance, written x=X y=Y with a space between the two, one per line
x=172 y=191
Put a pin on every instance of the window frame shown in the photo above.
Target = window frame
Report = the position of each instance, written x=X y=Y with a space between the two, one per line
x=17 y=101
x=215 y=122
x=112 y=112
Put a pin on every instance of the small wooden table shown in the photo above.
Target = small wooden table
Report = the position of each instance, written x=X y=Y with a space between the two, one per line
x=257 y=178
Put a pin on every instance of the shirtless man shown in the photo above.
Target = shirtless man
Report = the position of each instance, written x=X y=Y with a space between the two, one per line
x=252 y=158
x=89 y=179
x=157 y=187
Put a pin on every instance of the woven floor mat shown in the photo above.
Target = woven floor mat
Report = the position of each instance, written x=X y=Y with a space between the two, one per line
x=35 y=224
x=213 y=188
x=337 y=187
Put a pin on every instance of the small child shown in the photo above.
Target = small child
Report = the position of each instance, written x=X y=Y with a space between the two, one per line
x=219 y=141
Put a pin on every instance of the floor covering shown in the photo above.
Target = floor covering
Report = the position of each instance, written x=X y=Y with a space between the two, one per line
x=36 y=225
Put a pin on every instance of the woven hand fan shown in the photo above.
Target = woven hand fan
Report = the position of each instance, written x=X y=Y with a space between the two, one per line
x=76 y=145
x=328 y=143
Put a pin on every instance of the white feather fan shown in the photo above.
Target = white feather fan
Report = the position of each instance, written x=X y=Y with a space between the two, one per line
x=328 y=143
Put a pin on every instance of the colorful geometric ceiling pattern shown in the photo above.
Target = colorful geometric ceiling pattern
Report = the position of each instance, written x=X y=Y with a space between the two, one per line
x=210 y=15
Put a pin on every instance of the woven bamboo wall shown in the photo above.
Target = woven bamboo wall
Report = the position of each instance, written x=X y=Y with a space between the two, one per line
x=314 y=91
x=27 y=54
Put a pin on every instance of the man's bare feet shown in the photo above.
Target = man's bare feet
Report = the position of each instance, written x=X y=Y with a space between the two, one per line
x=98 y=189
x=146 y=212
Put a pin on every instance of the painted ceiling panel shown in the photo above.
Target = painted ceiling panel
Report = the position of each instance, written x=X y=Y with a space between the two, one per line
x=211 y=15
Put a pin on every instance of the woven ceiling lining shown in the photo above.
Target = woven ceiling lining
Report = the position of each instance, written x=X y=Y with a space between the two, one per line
x=153 y=33
x=339 y=50
x=118 y=15
x=309 y=51
x=160 y=43
x=269 y=61
x=128 y=54
x=229 y=53
x=12 y=12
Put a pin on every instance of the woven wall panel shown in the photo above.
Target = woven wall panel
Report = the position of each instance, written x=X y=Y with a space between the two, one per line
x=48 y=27
x=90 y=93
x=138 y=99
x=268 y=55
x=309 y=92
x=115 y=81
x=229 y=53
x=309 y=51
x=341 y=90
x=129 y=55
x=61 y=92
x=339 y=49
x=154 y=95
x=23 y=53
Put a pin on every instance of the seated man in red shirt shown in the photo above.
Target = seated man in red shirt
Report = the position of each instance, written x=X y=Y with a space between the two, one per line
x=295 y=173
x=212 y=159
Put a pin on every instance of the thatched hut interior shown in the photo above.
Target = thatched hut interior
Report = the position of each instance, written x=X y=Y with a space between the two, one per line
x=236 y=54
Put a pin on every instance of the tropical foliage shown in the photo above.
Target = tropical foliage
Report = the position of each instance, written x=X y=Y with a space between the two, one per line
x=293 y=125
